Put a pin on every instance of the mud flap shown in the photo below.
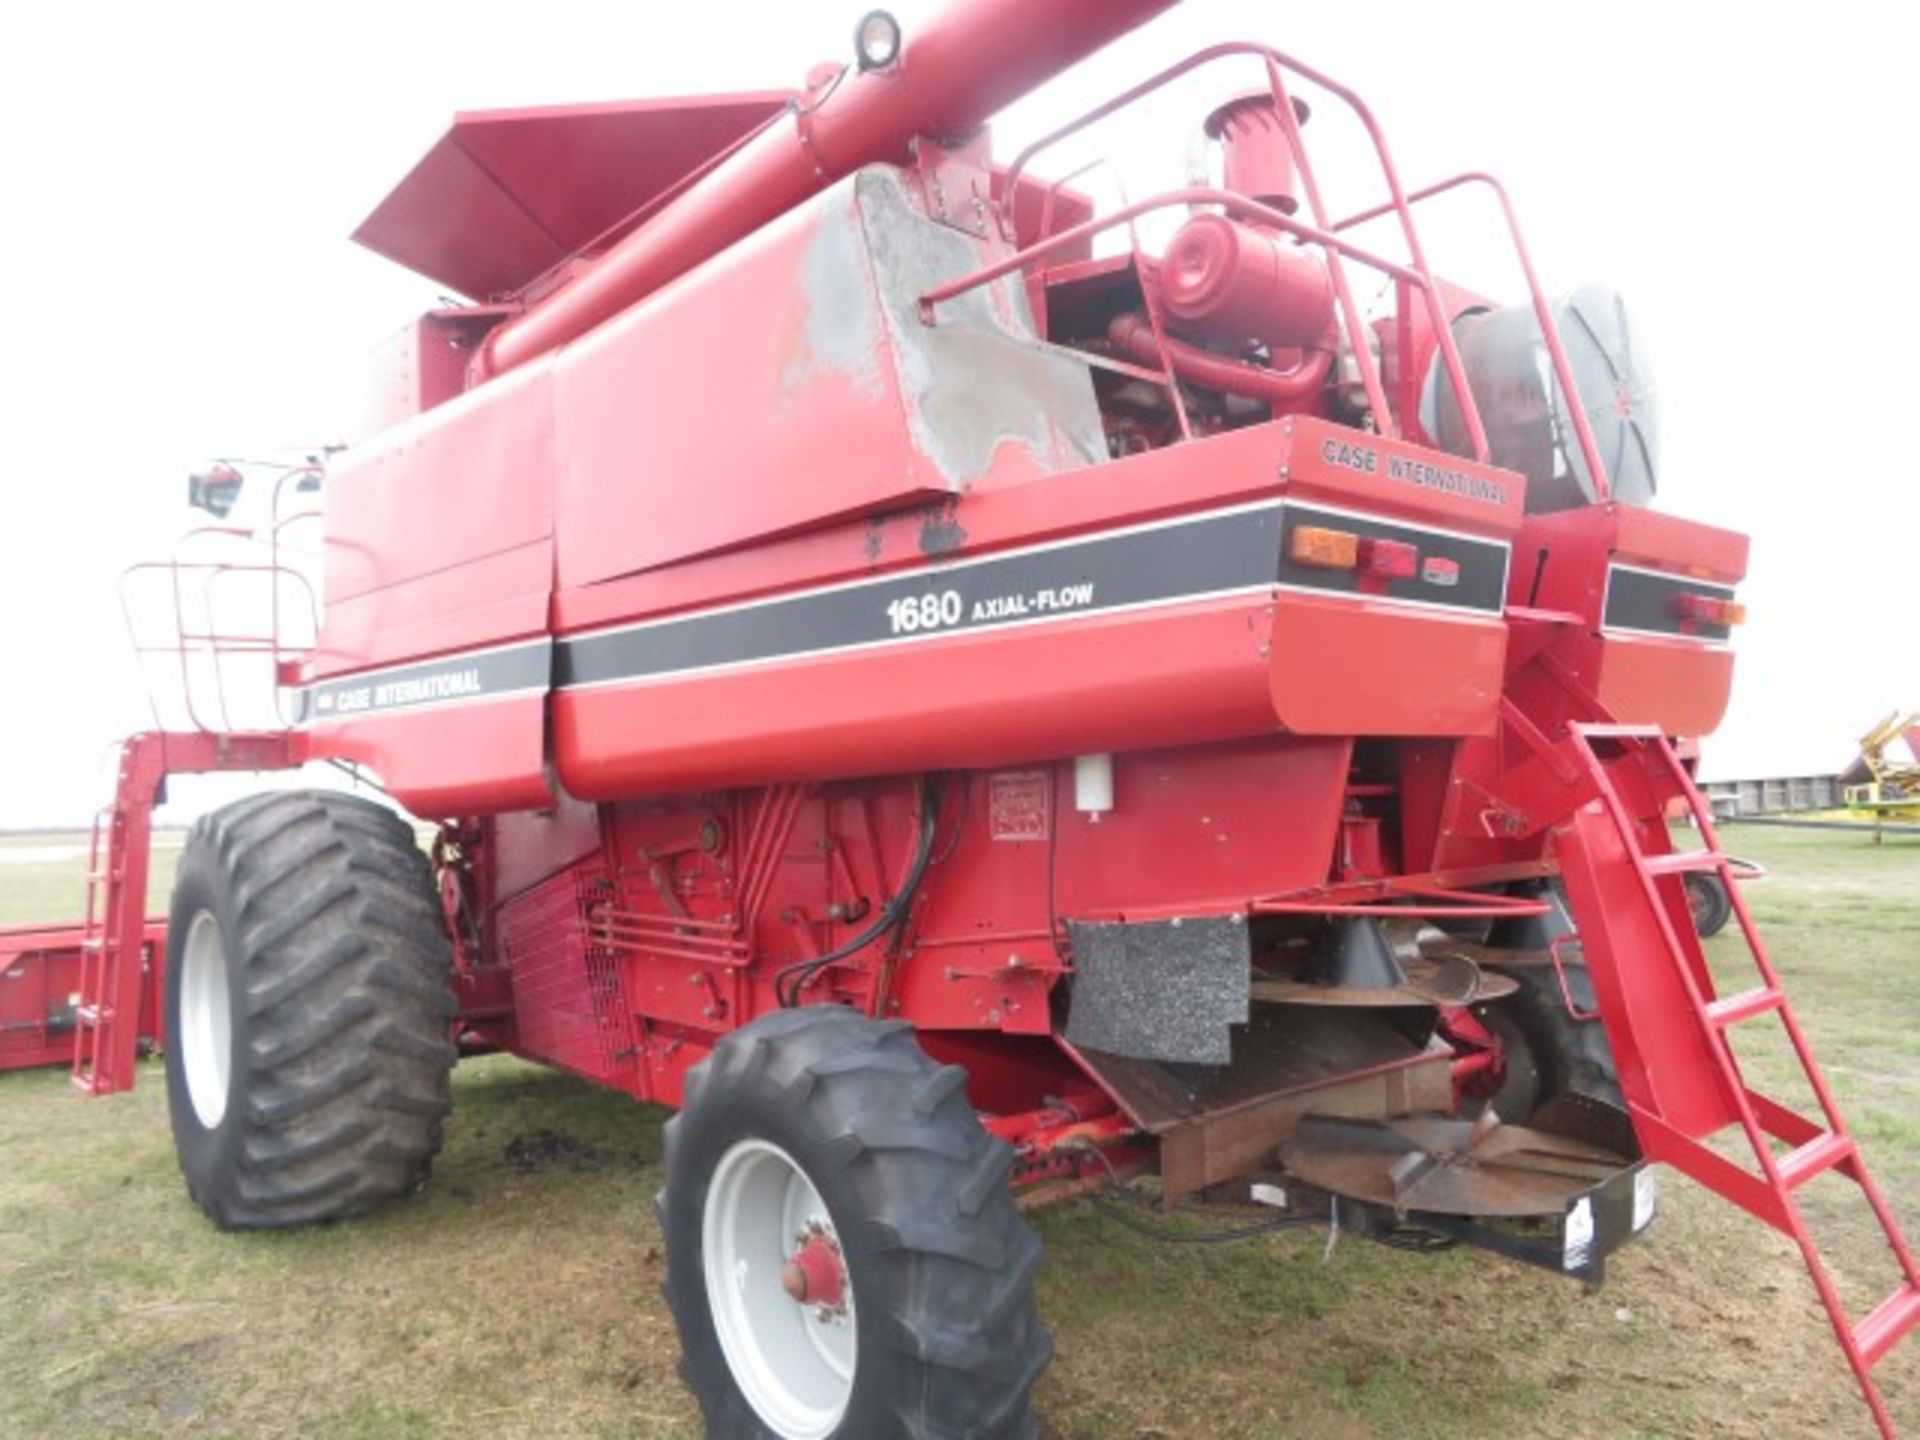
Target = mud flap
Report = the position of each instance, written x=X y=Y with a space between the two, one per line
x=1160 y=990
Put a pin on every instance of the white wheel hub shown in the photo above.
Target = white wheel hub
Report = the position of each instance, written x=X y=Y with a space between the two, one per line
x=206 y=1019
x=777 y=1288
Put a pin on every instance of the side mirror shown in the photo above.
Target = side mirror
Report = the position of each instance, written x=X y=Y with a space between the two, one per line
x=216 y=490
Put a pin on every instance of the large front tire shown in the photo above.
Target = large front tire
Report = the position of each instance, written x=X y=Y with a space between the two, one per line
x=818 y=1140
x=308 y=1017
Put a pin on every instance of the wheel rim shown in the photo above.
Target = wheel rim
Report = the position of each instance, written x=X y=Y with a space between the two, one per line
x=763 y=1224
x=206 y=1020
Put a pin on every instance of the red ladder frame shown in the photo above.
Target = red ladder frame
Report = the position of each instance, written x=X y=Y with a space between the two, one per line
x=1669 y=1026
x=106 y=1032
x=107 y=1020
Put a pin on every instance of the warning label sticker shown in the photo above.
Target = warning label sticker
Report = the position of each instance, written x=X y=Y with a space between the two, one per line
x=1017 y=804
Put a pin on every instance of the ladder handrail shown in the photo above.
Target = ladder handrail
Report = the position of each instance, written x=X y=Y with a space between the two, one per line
x=1627 y=826
x=1770 y=1196
x=1803 y=1049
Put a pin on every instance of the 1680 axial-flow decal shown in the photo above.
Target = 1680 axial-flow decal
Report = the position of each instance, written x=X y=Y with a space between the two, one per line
x=1184 y=559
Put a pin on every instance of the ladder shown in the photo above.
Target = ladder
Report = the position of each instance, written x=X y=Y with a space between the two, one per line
x=1670 y=1027
x=106 y=1032
x=114 y=941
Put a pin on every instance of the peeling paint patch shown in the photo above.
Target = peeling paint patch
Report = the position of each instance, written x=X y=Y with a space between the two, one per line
x=840 y=331
x=977 y=381
x=940 y=532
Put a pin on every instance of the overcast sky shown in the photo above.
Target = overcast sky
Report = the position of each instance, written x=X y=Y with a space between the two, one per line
x=180 y=181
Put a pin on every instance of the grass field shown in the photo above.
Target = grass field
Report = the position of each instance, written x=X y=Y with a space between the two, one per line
x=518 y=1294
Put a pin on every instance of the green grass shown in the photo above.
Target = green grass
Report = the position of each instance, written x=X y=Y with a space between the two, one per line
x=504 y=1303
x=43 y=876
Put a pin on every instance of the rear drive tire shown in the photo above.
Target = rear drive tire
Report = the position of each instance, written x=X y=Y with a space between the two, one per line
x=308 y=1016
x=820 y=1129
x=1548 y=1052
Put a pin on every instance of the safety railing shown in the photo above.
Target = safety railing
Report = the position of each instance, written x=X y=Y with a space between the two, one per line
x=1542 y=312
x=199 y=597
x=1323 y=231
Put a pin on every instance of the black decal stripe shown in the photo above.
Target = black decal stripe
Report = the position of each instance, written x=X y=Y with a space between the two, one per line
x=1182 y=560
x=469 y=676
x=1646 y=601
x=1479 y=583
x=1223 y=552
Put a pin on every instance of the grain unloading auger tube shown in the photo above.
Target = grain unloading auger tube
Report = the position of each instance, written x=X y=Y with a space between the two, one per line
x=971 y=708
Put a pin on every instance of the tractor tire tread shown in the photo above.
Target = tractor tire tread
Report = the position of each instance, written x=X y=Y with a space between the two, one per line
x=1573 y=1055
x=946 y=1259
x=341 y=1080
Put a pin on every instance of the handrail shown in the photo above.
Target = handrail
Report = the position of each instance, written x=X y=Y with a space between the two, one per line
x=1550 y=332
x=1228 y=200
x=1351 y=318
x=279 y=523
x=210 y=641
x=198 y=580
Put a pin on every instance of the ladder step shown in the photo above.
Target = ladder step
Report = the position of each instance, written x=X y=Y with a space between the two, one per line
x=1814 y=1158
x=94 y=943
x=1891 y=1319
x=1684 y=862
x=1744 y=1006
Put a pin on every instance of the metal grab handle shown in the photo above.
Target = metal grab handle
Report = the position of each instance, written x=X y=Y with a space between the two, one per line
x=1560 y=974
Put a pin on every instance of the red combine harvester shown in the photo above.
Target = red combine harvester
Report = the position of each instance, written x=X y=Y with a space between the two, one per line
x=968 y=708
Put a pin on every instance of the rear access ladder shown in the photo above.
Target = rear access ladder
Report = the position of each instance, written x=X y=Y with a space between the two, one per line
x=1670 y=1027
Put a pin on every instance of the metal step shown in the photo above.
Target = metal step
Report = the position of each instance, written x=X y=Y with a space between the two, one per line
x=1745 y=1006
x=1816 y=1157
x=1688 y=1086
x=1891 y=1319
x=1685 y=862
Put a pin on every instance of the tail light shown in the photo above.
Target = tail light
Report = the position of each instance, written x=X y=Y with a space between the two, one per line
x=1327 y=549
x=1389 y=559
x=1709 y=610
x=1372 y=555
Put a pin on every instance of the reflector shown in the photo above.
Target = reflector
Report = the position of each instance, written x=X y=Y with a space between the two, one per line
x=1329 y=549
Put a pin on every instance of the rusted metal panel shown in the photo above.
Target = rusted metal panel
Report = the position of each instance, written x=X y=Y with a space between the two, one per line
x=1289 y=1063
